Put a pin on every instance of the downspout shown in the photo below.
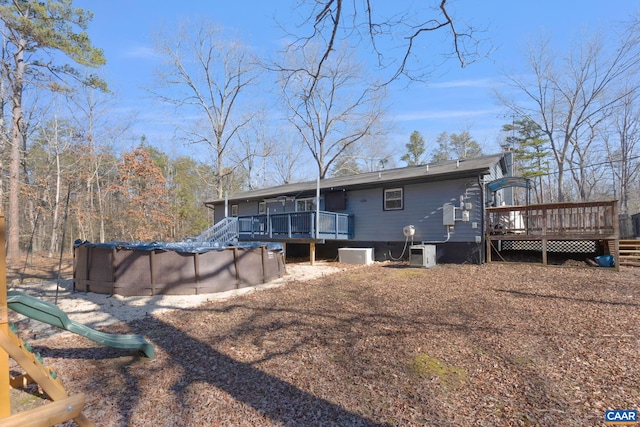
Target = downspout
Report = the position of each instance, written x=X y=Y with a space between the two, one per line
x=482 y=257
x=318 y=207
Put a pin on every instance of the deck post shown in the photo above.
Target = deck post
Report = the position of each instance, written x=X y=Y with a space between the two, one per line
x=616 y=233
x=616 y=254
x=487 y=236
x=312 y=253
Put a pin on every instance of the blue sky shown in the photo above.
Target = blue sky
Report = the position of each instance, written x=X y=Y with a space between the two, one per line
x=455 y=99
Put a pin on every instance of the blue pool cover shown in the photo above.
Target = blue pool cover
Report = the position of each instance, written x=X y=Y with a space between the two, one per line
x=187 y=247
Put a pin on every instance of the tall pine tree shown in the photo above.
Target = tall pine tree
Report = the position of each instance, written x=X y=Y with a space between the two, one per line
x=30 y=28
x=415 y=149
x=456 y=146
x=532 y=151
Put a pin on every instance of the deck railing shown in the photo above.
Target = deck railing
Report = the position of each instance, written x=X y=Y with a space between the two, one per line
x=292 y=225
x=562 y=220
x=225 y=231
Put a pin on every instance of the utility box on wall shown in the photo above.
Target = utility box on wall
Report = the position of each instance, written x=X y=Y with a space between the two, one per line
x=422 y=256
x=448 y=214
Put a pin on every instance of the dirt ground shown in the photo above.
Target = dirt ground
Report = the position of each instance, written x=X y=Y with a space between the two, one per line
x=381 y=345
x=39 y=266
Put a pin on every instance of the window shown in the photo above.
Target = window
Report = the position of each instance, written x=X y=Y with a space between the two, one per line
x=393 y=199
x=335 y=201
x=305 y=205
x=262 y=207
x=234 y=210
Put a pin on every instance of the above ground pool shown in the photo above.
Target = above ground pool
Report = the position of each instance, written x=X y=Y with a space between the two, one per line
x=183 y=268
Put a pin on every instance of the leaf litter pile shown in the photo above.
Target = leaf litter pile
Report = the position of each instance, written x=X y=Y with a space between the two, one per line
x=455 y=345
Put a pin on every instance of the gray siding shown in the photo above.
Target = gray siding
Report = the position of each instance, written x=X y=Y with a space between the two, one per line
x=503 y=196
x=423 y=208
x=251 y=207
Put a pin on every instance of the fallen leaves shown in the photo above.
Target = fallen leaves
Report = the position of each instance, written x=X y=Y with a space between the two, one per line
x=514 y=345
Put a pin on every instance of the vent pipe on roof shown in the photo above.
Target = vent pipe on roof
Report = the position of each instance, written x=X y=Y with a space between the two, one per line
x=457 y=163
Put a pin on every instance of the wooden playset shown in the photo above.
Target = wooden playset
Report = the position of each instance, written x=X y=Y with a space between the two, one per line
x=64 y=407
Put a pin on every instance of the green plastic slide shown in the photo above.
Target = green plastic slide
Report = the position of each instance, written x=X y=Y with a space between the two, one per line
x=51 y=314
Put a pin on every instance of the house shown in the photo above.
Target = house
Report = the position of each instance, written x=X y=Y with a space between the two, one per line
x=440 y=204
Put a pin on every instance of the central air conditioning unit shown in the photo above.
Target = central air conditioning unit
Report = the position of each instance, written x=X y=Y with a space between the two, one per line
x=360 y=256
x=422 y=256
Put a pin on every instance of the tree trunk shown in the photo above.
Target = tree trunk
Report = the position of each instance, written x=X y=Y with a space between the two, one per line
x=100 y=209
x=13 y=219
x=560 y=194
x=56 y=207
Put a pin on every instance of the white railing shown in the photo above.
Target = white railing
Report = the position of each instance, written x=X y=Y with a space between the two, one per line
x=224 y=231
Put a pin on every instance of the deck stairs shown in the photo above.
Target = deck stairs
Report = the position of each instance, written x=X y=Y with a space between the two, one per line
x=224 y=232
x=630 y=252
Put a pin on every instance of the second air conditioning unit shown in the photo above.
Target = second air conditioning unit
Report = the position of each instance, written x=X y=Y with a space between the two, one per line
x=422 y=256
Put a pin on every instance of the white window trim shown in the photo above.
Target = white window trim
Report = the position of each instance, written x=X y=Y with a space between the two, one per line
x=307 y=201
x=401 y=198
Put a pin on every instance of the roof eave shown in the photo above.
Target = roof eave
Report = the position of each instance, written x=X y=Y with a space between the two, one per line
x=296 y=189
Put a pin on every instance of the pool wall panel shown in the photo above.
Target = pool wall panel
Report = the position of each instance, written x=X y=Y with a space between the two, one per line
x=139 y=272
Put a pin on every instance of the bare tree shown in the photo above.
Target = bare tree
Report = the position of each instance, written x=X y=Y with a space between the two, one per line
x=622 y=143
x=393 y=32
x=206 y=75
x=583 y=160
x=97 y=127
x=376 y=157
x=286 y=159
x=334 y=110
x=373 y=154
x=255 y=147
x=571 y=94
x=56 y=139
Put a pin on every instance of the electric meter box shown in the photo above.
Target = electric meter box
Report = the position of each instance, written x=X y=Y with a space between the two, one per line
x=422 y=256
x=448 y=214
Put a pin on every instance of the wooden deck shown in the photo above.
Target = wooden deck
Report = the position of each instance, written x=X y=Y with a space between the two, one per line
x=555 y=222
